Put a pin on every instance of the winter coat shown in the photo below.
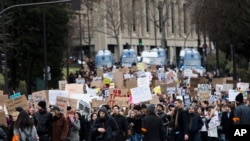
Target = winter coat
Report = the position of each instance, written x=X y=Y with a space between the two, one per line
x=74 y=130
x=43 y=122
x=22 y=135
x=152 y=128
x=3 y=135
x=108 y=123
x=60 y=128
x=241 y=112
x=123 y=126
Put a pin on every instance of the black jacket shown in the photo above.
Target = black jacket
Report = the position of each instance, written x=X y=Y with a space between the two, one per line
x=226 y=122
x=195 y=122
x=43 y=122
x=152 y=128
x=182 y=121
x=123 y=127
x=3 y=135
x=108 y=123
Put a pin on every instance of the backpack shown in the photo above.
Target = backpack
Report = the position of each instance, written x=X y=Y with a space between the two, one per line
x=29 y=136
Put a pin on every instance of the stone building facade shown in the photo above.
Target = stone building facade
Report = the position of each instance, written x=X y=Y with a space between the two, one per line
x=119 y=24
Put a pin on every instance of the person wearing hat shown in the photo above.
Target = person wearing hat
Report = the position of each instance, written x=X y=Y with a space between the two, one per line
x=152 y=126
x=43 y=121
x=241 y=111
x=105 y=128
x=60 y=126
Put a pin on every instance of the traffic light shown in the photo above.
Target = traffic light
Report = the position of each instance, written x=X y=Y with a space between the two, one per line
x=140 y=41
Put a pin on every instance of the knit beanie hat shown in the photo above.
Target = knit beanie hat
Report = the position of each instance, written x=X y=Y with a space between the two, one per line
x=151 y=108
x=42 y=104
x=239 y=98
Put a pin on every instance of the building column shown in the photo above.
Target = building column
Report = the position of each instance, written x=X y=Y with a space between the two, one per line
x=172 y=52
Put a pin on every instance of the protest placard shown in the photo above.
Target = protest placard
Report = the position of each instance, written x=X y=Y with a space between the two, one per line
x=122 y=101
x=62 y=103
x=39 y=96
x=118 y=79
x=62 y=84
x=96 y=103
x=11 y=104
x=2 y=118
x=54 y=93
x=74 y=88
x=140 y=94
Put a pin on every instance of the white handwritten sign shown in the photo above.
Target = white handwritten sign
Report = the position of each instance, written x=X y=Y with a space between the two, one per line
x=140 y=94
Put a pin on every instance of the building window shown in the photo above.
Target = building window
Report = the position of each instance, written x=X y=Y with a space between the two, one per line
x=173 y=17
x=185 y=18
x=147 y=15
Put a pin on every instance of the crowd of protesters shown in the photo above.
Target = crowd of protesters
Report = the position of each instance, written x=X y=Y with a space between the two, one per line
x=169 y=120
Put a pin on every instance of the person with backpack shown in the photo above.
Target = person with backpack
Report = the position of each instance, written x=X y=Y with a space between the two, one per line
x=24 y=129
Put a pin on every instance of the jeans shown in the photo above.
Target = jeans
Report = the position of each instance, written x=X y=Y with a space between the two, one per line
x=136 y=137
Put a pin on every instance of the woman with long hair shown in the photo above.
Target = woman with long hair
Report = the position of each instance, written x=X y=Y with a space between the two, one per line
x=74 y=126
x=24 y=127
x=93 y=117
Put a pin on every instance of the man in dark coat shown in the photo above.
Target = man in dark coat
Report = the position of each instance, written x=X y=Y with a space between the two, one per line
x=122 y=123
x=105 y=128
x=226 y=121
x=43 y=121
x=152 y=127
x=194 y=125
x=180 y=122
x=241 y=112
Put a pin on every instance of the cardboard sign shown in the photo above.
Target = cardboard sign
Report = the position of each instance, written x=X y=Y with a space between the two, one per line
x=73 y=103
x=3 y=98
x=97 y=84
x=74 y=88
x=54 y=93
x=220 y=80
x=99 y=72
x=11 y=104
x=1 y=92
x=195 y=81
x=113 y=93
x=62 y=103
x=118 y=79
x=122 y=101
x=204 y=96
x=132 y=83
x=2 y=117
x=62 y=84
x=38 y=96
x=155 y=99
x=96 y=103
